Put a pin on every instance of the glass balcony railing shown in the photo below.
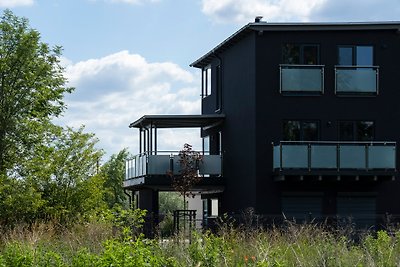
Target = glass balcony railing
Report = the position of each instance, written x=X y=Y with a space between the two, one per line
x=146 y=164
x=356 y=79
x=335 y=156
x=301 y=78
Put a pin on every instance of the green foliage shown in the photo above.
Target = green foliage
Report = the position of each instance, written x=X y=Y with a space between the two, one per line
x=71 y=188
x=58 y=183
x=17 y=254
x=46 y=172
x=210 y=250
x=19 y=202
x=32 y=87
x=129 y=222
x=381 y=249
x=166 y=226
x=139 y=252
x=114 y=173
x=83 y=258
x=296 y=245
x=170 y=201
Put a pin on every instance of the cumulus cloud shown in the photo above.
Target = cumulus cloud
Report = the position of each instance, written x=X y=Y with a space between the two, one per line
x=15 y=3
x=243 y=11
x=115 y=90
x=369 y=10
x=132 y=2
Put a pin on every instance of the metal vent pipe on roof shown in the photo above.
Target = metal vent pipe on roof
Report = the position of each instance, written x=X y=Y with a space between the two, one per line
x=258 y=19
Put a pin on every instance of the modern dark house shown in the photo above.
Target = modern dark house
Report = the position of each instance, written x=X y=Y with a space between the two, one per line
x=300 y=121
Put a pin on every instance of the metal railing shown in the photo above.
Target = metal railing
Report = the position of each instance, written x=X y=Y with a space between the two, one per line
x=334 y=155
x=357 y=79
x=165 y=162
x=301 y=78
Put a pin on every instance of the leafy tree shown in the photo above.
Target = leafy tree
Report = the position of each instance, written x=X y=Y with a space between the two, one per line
x=114 y=172
x=19 y=202
x=59 y=182
x=68 y=177
x=32 y=87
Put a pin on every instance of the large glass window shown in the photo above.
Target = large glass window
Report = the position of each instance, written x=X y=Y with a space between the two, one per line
x=356 y=130
x=300 y=54
x=362 y=55
x=300 y=130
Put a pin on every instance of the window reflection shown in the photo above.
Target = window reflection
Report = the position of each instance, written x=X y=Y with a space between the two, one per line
x=362 y=55
x=300 y=131
x=300 y=54
x=356 y=130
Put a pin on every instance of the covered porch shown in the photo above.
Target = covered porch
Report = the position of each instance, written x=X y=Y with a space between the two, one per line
x=152 y=169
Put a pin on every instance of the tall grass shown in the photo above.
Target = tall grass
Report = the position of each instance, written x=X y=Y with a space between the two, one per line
x=101 y=244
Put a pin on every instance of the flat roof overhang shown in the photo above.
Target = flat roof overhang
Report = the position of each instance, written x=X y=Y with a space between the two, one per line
x=178 y=121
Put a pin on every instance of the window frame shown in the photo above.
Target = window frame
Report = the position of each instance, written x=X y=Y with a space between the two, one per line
x=218 y=89
x=206 y=85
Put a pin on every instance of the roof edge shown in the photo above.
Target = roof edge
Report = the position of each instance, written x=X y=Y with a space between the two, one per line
x=150 y=119
x=286 y=26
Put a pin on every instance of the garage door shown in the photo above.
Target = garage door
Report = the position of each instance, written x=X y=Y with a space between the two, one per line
x=302 y=208
x=357 y=209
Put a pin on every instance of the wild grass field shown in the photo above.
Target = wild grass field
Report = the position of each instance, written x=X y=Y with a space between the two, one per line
x=105 y=244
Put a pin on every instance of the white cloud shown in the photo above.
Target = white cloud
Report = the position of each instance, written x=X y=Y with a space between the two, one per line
x=15 y=3
x=115 y=90
x=243 y=11
x=132 y=2
x=368 y=10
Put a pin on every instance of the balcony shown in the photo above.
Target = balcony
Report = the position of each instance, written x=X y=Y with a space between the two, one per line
x=335 y=157
x=356 y=79
x=301 y=78
x=146 y=164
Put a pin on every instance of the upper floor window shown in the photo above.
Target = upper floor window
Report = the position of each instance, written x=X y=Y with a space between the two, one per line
x=300 y=130
x=356 y=130
x=206 y=84
x=300 y=54
x=356 y=55
x=355 y=72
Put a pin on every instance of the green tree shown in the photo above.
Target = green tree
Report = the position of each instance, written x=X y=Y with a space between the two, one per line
x=60 y=181
x=114 y=172
x=46 y=171
x=32 y=87
x=68 y=177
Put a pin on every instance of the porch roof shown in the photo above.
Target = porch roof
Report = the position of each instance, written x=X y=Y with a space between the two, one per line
x=178 y=121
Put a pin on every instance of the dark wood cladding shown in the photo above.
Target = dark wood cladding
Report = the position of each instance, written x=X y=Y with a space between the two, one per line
x=255 y=109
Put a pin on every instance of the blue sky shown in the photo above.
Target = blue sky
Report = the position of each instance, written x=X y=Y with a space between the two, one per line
x=128 y=58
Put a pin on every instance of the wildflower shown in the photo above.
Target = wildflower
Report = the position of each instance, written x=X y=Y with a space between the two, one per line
x=246 y=259
x=253 y=258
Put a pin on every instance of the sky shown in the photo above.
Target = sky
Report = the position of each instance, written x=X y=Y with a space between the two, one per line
x=128 y=58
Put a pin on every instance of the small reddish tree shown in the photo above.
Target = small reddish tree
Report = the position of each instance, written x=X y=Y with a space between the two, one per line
x=189 y=161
